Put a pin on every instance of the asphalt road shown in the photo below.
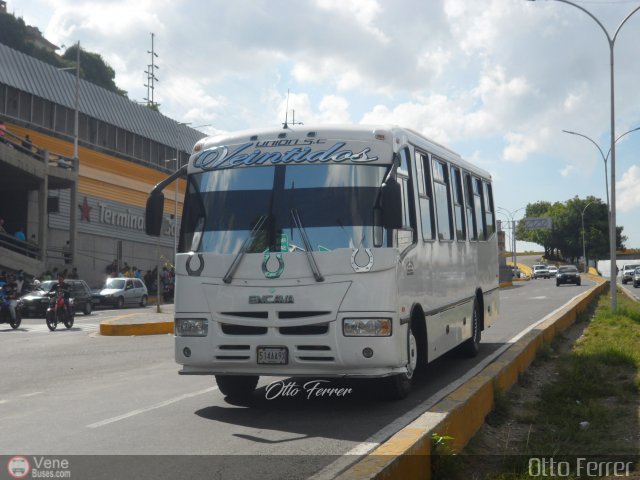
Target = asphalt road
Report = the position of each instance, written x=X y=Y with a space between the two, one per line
x=634 y=292
x=74 y=392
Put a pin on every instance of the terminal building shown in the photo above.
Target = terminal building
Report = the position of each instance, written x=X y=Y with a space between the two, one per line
x=73 y=193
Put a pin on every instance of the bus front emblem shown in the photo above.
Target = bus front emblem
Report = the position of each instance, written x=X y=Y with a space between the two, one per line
x=357 y=268
x=265 y=269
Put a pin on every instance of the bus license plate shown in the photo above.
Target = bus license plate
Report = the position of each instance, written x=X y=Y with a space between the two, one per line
x=273 y=355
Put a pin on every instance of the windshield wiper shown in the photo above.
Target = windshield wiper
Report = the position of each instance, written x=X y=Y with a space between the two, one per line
x=245 y=246
x=307 y=245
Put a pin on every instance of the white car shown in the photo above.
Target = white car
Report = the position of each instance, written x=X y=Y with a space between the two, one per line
x=553 y=270
x=119 y=292
x=540 y=271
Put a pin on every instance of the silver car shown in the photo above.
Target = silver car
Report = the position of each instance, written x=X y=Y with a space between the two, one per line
x=119 y=292
x=636 y=277
x=540 y=271
x=627 y=273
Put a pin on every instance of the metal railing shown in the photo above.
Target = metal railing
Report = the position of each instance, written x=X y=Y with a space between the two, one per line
x=21 y=247
x=28 y=148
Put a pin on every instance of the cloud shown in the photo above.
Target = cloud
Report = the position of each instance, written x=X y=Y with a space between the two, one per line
x=628 y=190
x=566 y=171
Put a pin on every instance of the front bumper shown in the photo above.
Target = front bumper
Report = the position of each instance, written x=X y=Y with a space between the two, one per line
x=568 y=280
x=328 y=355
x=34 y=308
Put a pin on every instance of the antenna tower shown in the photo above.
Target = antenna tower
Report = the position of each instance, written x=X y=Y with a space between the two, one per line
x=151 y=75
x=286 y=123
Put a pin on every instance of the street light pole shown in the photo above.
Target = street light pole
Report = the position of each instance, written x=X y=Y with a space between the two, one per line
x=612 y=216
x=604 y=157
x=606 y=180
x=511 y=215
x=73 y=222
x=584 y=250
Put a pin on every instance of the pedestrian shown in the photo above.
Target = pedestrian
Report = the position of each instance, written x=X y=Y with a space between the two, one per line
x=20 y=236
x=66 y=252
x=27 y=145
x=19 y=281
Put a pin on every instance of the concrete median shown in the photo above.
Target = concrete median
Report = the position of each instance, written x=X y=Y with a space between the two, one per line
x=461 y=413
x=139 y=323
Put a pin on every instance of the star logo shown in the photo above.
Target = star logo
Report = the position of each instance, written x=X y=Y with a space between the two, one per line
x=85 y=210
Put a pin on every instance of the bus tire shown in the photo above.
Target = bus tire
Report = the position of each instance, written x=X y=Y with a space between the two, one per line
x=237 y=386
x=399 y=386
x=471 y=347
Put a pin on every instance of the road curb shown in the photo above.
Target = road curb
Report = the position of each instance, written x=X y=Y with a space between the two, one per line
x=407 y=454
x=119 y=327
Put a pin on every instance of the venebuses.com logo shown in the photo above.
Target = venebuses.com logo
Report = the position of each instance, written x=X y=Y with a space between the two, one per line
x=18 y=467
x=39 y=467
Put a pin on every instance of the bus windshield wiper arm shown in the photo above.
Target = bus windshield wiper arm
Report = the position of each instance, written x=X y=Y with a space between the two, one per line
x=245 y=246
x=307 y=246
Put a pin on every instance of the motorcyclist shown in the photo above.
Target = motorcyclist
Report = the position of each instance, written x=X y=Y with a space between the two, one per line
x=10 y=294
x=60 y=285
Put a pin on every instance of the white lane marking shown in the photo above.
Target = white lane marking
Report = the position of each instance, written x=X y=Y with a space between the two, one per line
x=152 y=407
x=24 y=395
x=352 y=456
x=33 y=394
x=539 y=298
x=76 y=327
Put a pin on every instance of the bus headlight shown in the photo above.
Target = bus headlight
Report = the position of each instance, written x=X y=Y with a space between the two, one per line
x=366 y=327
x=192 y=327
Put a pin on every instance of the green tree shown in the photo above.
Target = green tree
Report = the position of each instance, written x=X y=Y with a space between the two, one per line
x=93 y=68
x=564 y=239
x=13 y=32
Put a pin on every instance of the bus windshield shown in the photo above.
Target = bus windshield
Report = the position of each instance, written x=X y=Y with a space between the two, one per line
x=333 y=203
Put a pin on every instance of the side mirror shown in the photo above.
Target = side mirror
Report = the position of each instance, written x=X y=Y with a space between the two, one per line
x=391 y=204
x=153 y=213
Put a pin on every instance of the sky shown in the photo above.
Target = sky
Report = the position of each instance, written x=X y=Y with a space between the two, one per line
x=495 y=80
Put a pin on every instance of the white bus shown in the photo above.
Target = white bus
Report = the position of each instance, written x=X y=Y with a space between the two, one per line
x=329 y=251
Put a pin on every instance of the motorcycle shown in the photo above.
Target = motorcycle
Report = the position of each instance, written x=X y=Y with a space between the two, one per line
x=58 y=312
x=5 y=314
x=167 y=292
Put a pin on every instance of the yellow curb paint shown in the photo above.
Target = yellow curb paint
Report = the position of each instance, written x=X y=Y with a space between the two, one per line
x=109 y=328
x=407 y=453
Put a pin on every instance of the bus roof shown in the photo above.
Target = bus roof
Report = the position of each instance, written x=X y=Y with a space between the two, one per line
x=371 y=144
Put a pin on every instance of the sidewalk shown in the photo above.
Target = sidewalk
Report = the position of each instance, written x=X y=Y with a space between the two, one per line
x=148 y=322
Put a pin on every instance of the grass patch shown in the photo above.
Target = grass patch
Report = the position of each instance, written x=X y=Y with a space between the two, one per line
x=580 y=398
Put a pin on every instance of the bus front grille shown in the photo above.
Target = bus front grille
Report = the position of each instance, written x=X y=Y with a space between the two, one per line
x=318 y=329
x=230 y=329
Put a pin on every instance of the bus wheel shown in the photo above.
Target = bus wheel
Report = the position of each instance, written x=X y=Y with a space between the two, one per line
x=237 y=386
x=471 y=347
x=398 y=386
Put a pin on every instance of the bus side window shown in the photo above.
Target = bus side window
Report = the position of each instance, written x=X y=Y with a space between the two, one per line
x=488 y=209
x=458 y=204
x=471 y=213
x=403 y=176
x=478 y=208
x=425 y=196
x=443 y=200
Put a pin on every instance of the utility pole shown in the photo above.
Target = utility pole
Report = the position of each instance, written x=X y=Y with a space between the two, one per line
x=151 y=75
